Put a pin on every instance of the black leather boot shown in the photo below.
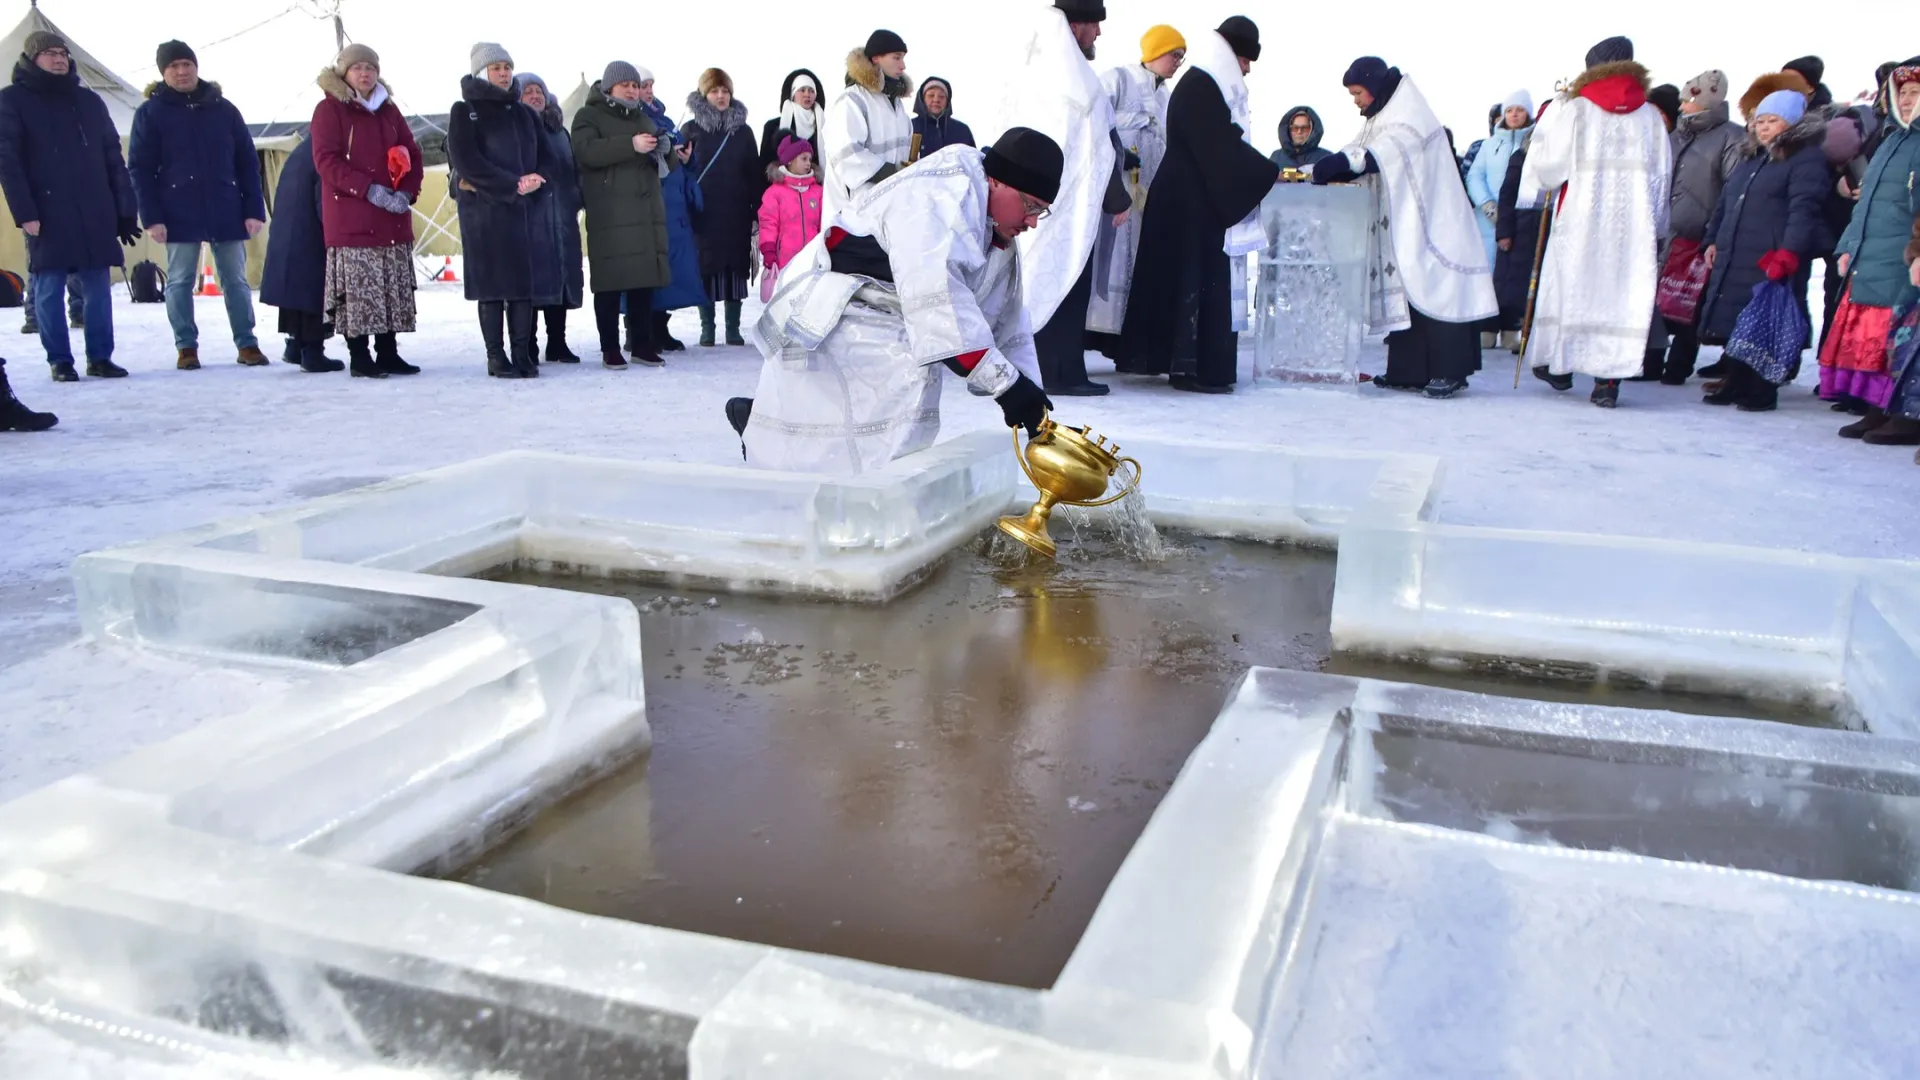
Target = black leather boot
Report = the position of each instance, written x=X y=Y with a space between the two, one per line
x=386 y=349
x=493 y=316
x=557 y=351
x=360 y=359
x=520 y=339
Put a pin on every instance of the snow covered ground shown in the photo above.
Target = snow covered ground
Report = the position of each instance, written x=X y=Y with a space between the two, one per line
x=165 y=450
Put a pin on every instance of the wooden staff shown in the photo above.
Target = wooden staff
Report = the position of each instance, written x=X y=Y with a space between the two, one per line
x=1533 y=290
x=913 y=151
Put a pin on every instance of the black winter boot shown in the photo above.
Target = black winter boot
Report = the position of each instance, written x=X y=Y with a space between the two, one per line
x=662 y=338
x=1897 y=431
x=640 y=341
x=557 y=351
x=493 y=314
x=733 y=324
x=1860 y=427
x=1606 y=393
x=314 y=359
x=15 y=416
x=1562 y=383
x=360 y=359
x=386 y=348
x=105 y=369
x=291 y=354
x=520 y=339
x=706 y=325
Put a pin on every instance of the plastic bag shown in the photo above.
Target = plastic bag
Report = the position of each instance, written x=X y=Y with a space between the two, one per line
x=769 y=280
x=1770 y=333
x=1682 y=280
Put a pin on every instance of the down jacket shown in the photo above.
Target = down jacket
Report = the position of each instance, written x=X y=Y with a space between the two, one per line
x=193 y=165
x=511 y=240
x=626 y=217
x=1772 y=202
x=683 y=201
x=60 y=165
x=1707 y=147
x=789 y=217
x=1883 y=219
x=351 y=139
x=1305 y=157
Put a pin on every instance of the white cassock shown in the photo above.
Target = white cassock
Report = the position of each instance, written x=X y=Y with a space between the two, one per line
x=866 y=130
x=1139 y=99
x=1424 y=247
x=1058 y=94
x=1601 y=269
x=853 y=366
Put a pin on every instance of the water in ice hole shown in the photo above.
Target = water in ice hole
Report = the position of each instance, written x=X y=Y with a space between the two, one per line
x=946 y=782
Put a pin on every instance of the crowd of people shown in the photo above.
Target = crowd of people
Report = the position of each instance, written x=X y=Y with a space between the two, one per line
x=1697 y=230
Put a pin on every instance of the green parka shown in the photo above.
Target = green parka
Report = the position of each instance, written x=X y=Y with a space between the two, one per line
x=626 y=214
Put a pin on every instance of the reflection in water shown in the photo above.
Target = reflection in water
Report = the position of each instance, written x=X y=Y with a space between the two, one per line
x=947 y=782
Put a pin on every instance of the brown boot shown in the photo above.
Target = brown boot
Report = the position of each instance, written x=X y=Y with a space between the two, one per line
x=1897 y=431
x=251 y=356
x=189 y=360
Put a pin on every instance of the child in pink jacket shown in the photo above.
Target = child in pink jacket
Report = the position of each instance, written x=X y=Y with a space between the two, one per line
x=790 y=211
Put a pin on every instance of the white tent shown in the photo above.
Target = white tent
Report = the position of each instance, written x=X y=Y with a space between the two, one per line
x=121 y=96
x=572 y=102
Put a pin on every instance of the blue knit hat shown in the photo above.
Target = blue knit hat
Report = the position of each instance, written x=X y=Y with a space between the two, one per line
x=1788 y=105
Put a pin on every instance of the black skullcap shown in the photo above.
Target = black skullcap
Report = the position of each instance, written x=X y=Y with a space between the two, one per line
x=1082 y=11
x=171 y=51
x=1611 y=51
x=883 y=42
x=1243 y=36
x=1028 y=162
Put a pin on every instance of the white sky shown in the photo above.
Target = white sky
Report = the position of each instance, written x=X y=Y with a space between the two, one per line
x=1465 y=59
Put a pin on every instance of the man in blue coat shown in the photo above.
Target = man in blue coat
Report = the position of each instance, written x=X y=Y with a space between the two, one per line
x=198 y=182
x=64 y=179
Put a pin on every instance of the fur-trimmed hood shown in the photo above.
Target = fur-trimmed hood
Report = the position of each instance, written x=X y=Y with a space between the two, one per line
x=1811 y=130
x=1597 y=72
x=863 y=72
x=206 y=93
x=1767 y=84
x=335 y=86
x=706 y=116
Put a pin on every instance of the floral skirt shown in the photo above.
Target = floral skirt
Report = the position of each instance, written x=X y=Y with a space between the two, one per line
x=370 y=290
x=1853 y=363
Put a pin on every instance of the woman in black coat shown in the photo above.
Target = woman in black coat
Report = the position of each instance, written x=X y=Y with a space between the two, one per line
x=803 y=115
x=498 y=151
x=727 y=167
x=1767 y=224
x=294 y=278
x=563 y=211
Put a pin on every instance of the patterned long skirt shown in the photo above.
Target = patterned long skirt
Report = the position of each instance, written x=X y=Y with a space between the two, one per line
x=1854 y=361
x=370 y=290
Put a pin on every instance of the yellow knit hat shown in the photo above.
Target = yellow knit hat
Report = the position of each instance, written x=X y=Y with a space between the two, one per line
x=1158 y=42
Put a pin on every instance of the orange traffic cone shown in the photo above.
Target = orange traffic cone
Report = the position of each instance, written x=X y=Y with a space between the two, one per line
x=446 y=271
x=209 y=284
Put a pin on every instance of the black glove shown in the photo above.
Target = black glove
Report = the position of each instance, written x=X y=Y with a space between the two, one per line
x=1025 y=405
x=1331 y=170
x=129 y=231
x=1131 y=161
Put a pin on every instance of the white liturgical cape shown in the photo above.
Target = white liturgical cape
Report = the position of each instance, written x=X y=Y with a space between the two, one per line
x=1431 y=255
x=1058 y=94
x=1598 y=279
x=853 y=369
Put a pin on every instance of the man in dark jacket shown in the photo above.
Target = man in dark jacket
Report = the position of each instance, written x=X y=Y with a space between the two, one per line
x=61 y=171
x=1300 y=135
x=198 y=182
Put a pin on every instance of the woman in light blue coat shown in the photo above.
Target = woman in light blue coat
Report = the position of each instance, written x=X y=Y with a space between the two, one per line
x=1489 y=169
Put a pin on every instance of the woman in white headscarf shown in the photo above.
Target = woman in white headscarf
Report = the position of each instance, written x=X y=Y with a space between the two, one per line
x=801 y=117
x=1489 y=169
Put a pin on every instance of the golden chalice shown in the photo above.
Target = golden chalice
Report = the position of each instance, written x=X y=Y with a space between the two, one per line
x=1068 y=465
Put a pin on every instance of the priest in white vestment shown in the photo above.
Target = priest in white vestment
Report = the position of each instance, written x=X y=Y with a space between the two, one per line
x=1139 y=95
x=869 y=134
x=914 y=277
x=1609 y=147
x=1428 y=281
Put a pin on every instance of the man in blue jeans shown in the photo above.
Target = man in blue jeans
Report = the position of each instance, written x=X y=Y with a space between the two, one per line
x=198 y=181
x=76 y=315
x=67 y=186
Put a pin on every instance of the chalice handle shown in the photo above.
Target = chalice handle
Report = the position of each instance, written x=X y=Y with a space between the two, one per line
x=1130 y=488
x=1020 y=453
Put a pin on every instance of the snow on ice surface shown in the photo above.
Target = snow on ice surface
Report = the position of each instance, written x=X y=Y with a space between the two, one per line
x=166 y=450
x=1444 y=955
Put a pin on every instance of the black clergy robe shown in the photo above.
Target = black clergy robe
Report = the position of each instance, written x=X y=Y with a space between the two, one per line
x=1179 y=310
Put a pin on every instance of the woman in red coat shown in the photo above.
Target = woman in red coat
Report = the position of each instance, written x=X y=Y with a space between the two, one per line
x=369 y=169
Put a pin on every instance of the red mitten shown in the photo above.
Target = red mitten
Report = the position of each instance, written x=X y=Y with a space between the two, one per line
x=1779 y=264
